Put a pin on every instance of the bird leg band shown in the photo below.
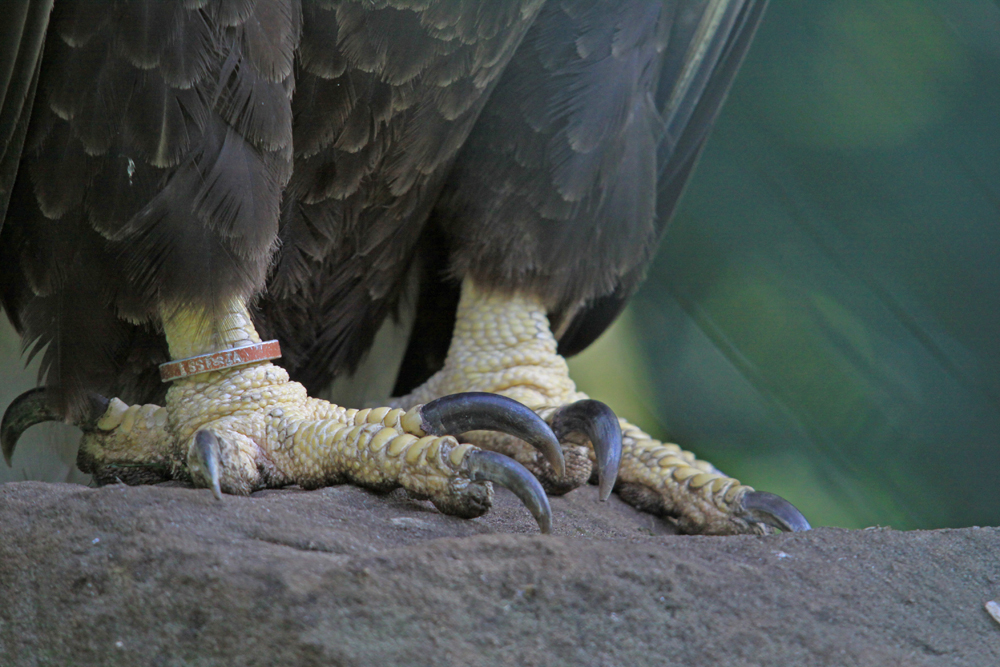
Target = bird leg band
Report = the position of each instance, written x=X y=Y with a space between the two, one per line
x=217 y=361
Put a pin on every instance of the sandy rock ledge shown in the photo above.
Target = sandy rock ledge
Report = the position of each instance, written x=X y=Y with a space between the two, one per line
x=166 y=575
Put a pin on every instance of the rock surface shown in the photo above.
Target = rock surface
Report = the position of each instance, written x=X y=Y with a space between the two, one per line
x=166 y=575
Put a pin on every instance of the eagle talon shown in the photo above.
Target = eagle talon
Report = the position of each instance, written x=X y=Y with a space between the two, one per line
x=456 y=414
x=30 y=408
x=204 y=461
x=489 y=466
x=773 y=510
x=34 y=407
x=600 y=424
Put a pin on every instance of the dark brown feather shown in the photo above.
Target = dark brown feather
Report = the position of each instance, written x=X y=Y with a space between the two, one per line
x=164 y=123
x=257 y=109
x=77 y=22
x=60 y=172
x=230 y=13
x=319 y=34
x=270 y=37
x=143 y=29
x=188 y=56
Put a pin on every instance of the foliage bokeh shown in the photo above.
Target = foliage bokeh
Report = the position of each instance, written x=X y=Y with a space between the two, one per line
x=821 y=320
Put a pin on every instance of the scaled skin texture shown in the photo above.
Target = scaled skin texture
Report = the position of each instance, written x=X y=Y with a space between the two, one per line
x=271 y=433
x=502 y=343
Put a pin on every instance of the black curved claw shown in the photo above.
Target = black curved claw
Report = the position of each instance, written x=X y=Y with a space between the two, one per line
x=34 y=407
x=773 y=510
x=481 y=411
x=203 y=461
x=600 y=424
x=30 y=408
x=489 y=466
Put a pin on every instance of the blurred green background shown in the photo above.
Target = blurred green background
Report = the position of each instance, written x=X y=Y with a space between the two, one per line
x=821 y=320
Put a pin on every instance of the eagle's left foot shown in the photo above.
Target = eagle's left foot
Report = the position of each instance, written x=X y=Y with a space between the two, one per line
x=246 y=426
x=502 y=343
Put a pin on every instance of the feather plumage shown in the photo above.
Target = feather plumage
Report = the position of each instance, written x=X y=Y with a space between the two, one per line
x=375 y=158
x=164 y=123
x=192 y=152
x=21 y=38
x=257 y=109
x=188 y=55
x=578 y=134
x=269 y=38
x=143 y=29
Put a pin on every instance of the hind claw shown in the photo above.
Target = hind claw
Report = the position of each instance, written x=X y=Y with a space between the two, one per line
x=598 y=423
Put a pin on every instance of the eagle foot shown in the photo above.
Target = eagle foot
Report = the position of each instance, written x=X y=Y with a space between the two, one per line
x=246 y=428
x=502 y=343
x=251 y=428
